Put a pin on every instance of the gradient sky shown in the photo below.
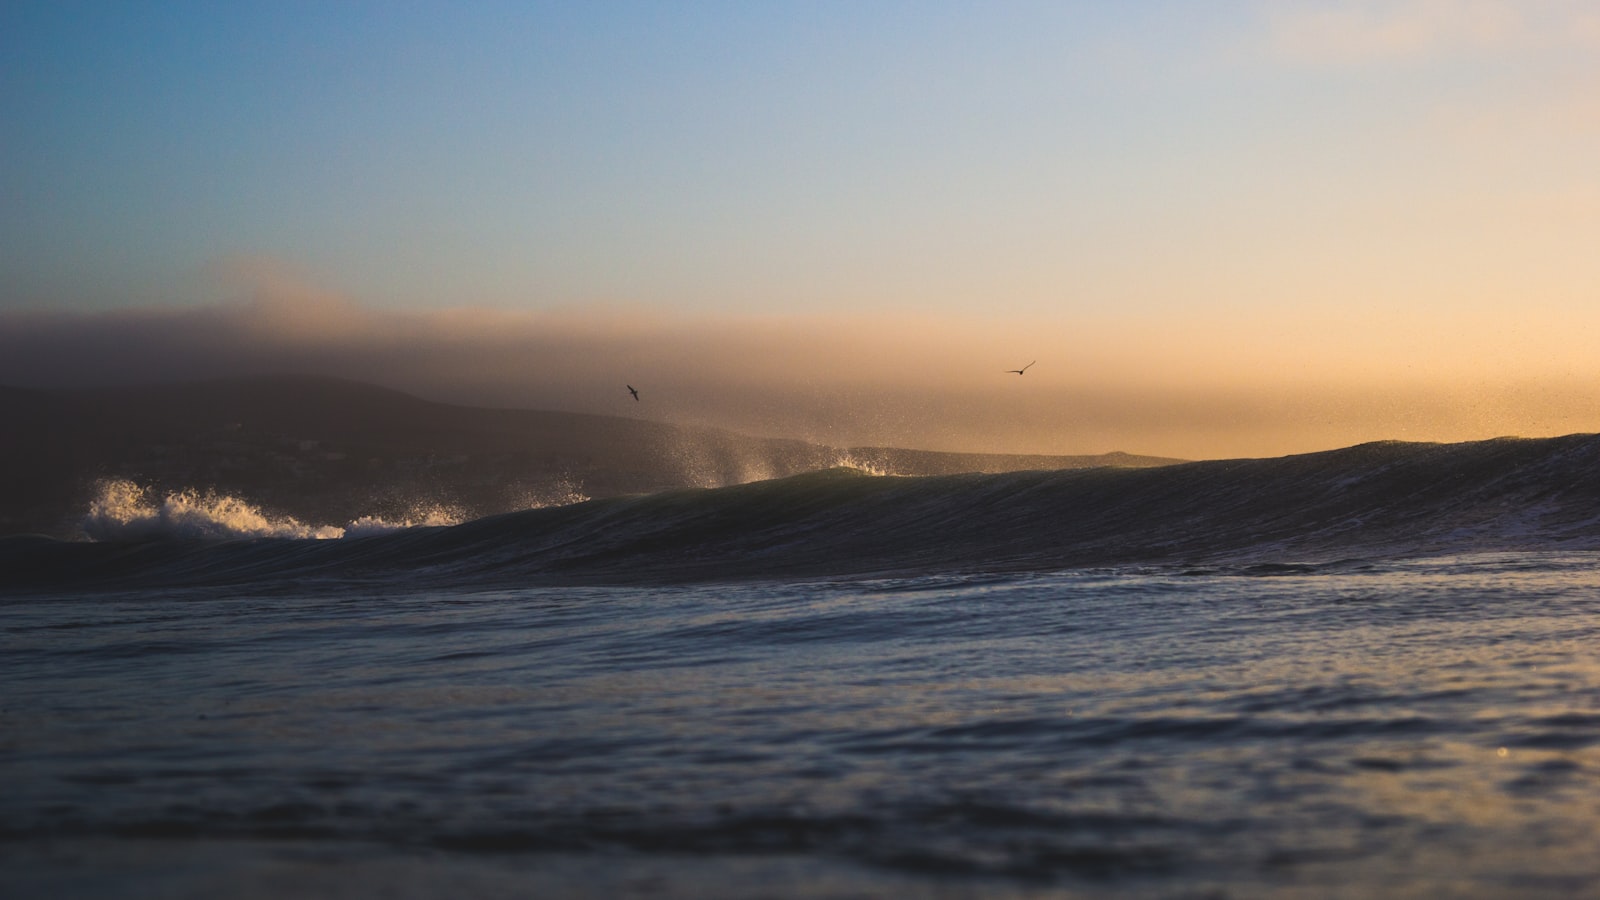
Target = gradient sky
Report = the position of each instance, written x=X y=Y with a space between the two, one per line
x=1223 y=228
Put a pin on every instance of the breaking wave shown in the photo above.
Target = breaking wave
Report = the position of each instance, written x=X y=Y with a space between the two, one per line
x=125 y=511
x=1374 y=501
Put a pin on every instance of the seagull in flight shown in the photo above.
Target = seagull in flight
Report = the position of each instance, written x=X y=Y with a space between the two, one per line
x=1021 y=370
x=633 y=391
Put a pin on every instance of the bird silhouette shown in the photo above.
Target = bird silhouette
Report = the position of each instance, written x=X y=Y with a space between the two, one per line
x=634 y=392
x=1021 y=370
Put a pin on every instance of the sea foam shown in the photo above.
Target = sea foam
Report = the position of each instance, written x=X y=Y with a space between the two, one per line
x=125 y=511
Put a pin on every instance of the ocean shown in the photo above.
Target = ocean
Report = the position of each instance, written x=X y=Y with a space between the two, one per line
x=1368 y=673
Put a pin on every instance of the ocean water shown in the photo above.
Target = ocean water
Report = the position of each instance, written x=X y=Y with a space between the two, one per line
x=1373 y=672
x=1419 y=726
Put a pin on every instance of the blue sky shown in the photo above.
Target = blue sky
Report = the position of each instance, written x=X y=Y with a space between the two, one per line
x=705 y=154
x=1395 y=192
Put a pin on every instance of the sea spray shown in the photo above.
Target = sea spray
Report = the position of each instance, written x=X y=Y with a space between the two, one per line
x=125 y=511
x=421 y=517
x=849 y=459
x=707 y=463
x=714 y=461
x=564 y=491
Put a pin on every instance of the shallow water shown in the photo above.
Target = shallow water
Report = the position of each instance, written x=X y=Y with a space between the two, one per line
x=1423 y=728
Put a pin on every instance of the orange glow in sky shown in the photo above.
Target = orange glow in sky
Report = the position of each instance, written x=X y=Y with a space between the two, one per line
x=1225 y=229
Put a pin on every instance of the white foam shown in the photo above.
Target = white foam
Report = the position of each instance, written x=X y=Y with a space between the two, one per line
x=844 y=459
x=125 y=511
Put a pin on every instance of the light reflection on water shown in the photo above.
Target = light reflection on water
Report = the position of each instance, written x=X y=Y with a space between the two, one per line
x=1417 y=728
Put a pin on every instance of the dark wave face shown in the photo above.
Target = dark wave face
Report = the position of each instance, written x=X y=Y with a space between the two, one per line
x=1384 y=500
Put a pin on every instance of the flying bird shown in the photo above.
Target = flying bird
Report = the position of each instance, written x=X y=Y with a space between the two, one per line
x=634 y=392
x=1021 y=370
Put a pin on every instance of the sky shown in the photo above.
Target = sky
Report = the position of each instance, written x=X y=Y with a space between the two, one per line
x=1223 y=228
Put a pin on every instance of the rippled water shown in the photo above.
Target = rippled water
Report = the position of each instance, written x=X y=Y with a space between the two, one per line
x=1417 y=729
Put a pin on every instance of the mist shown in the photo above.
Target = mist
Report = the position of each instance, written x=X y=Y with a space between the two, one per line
x=1169 y=388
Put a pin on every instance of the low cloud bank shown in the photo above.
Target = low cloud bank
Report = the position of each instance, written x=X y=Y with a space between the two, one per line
x=844 y=380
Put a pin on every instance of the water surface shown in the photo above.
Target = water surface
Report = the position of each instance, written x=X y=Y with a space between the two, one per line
x=1421 y=728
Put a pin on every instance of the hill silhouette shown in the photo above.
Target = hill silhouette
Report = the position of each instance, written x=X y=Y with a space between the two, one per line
x=330 y=450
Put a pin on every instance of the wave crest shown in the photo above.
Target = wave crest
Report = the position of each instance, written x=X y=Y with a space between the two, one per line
x=125 y=511
x=1270 y=516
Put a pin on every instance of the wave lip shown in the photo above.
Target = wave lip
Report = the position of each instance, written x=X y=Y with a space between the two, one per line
x=123 y=511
